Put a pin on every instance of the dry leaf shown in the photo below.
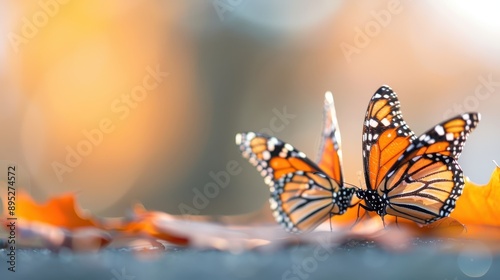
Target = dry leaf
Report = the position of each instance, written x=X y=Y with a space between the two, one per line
x=479 y=210
x=479 y=205
x=143 y=224
x=60 y=211
x=83 y=239
x=56 y=224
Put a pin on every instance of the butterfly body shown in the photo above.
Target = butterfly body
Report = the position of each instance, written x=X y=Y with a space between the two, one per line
x=374 y=202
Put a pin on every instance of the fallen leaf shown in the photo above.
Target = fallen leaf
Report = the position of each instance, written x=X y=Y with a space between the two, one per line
x=445 y=227
x=479 y=205
x=60 y=211
x=83 y=239
x=143 y=223
x=56 y=224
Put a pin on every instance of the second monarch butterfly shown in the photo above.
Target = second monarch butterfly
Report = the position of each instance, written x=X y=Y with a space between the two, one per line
x=414 y=178
x=303 y=195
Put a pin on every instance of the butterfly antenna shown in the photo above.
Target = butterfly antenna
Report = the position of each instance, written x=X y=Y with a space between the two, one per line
x=495 y=163
x=360 y=176
x=352 y=185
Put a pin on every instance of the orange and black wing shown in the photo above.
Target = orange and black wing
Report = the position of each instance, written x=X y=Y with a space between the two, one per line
x=385 y=136
x=302 y=196
x=446 y=138
x=272 y=157
x=425 y=188
x=302 y=200
x=330 y=153
x=428 y=180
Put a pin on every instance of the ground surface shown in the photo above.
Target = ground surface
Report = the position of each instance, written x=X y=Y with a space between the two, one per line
x=353 y=260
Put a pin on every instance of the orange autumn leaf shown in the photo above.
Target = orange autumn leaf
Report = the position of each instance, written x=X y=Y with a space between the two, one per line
x=60 y=211
x=144 y=223
x=478 y=204
x=58 y=223
x=445 y=227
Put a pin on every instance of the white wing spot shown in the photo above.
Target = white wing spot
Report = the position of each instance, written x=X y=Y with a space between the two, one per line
x=266 y=155
x=385 y=122
x=449 y=136
x=273 y=204
x=440 y=130
x=238 y=139
x=267 y=180
x=270 y=146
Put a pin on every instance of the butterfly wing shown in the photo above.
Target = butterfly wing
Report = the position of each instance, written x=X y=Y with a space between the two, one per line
x=385 y=136
x=428 y=179
x=446 y=138
x=330 y=149
x=425 y=188
x=272 y=157
x=330 y=153
x=302 y=195
x=302 y=200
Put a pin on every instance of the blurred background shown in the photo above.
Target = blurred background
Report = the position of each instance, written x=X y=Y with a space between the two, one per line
x=139 y=101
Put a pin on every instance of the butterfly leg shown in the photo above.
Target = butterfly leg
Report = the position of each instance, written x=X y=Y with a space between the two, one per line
x=358 y=218
x=331 y=215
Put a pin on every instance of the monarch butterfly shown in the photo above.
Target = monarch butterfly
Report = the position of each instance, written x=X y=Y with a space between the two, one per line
x=302 y=194
x=414 y=178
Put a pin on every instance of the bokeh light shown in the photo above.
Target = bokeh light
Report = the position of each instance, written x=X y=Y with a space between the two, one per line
x=475 y=260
